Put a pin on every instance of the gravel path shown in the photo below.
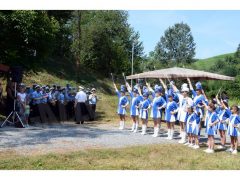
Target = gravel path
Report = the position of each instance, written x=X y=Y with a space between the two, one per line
x=72 y=137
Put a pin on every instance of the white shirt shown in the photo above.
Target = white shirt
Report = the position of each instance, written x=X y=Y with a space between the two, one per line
x=92 y=99
x=81 y=96
x=22 y=96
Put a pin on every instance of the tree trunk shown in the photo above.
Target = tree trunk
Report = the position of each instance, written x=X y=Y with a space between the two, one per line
x=78 y=57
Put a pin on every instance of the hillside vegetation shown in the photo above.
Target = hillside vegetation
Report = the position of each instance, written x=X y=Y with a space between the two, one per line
x=206 y=64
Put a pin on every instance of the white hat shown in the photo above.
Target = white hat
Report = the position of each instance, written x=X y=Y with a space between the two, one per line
x=185 y=88
x=80 y=87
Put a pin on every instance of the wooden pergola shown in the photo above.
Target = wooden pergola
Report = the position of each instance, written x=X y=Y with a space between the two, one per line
x=180 y=73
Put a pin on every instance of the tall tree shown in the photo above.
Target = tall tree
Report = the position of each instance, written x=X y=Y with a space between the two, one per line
x=176 y=45
x=26 y=37
x=106 y=42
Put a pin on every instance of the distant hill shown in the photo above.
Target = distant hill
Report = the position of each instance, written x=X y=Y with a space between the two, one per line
x=206 y=64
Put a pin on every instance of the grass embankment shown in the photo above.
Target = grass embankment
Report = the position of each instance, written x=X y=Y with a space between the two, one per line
x=206 y=64
x=140 y=157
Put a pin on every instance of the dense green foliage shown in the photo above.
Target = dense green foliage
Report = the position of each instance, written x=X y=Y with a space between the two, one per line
x=105 y=41
x=176 y=45
x=25 y=34
x=229 y=66
x=92 y=41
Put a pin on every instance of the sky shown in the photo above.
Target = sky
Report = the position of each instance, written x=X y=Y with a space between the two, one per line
x=214 y=32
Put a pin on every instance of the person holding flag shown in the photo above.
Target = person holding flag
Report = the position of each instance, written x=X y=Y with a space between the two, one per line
x=122 y=105
x=158 y=104
x=144 y=108
x=134 y=106
x=170 y=111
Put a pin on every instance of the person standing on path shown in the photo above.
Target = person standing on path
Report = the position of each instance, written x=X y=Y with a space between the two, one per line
x=122 y=105
x=184 y=102
x=80 y=106
x=93 y=102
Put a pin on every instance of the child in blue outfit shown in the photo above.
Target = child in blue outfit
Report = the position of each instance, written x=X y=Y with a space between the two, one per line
x=134 y=106
x=211 y=126
x=198 y=99
x=233 y=129
x=122 y=105
x=158 y=104
x=170 y=111
x=144 y=108
x=192 y=127
x=223 y=115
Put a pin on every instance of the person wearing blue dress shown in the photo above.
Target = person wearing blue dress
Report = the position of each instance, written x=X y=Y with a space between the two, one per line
x=158 y=104
x=194 y=129
x=198 y=98
x=170 y=111
x=61 y=105
x=184 y=101
x=192 y=120
x=144 y=108
x=233 y=129
x=211 y=126
x=223 y=115
x=122 y=105
x=134 y=106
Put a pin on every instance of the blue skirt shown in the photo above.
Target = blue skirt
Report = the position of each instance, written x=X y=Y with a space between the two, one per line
x=211 y=131
x=222 y=126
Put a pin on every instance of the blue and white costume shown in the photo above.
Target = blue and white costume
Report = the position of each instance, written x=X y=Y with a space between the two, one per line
x=144 y=106
x=211 y=130
x=189 y=121
x=197 y=100
x=234 y=120
x=171 y=107
x=223 y=115
x=158 y=102
x=122 y=101
x=134 y=111
x=192 y=123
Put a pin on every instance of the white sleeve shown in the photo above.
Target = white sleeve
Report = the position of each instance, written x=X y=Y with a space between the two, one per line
x=76 y=97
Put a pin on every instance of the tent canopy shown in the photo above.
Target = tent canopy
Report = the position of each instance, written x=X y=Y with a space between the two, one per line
x=180 y=73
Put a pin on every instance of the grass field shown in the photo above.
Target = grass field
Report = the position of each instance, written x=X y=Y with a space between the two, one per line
x=176 y=157
x=206 y=64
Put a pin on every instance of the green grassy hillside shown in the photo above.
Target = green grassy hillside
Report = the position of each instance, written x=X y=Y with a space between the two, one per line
x=206 y=64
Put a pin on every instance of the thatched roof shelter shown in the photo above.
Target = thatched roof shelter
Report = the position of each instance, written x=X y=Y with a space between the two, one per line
x=180 y=73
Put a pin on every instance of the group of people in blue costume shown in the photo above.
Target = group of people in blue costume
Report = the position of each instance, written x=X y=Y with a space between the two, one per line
x=187 y=105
